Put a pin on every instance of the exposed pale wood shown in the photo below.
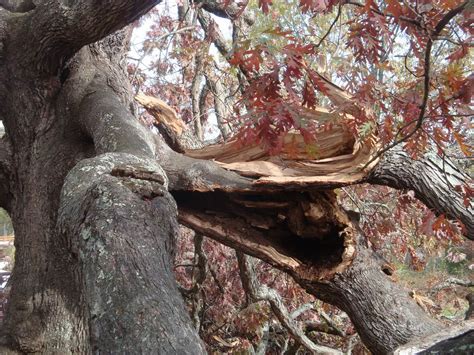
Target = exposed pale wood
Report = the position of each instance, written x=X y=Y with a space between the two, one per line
x=255 y=245
x=344 y=168
x=280 y=229
x=336 y=94
x=162 y=112
x=336 y=156
x=328 y=143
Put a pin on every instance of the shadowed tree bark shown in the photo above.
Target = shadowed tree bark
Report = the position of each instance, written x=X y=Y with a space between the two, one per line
x=92 y=195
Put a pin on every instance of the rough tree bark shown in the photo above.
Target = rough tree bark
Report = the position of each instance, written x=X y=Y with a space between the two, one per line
x=433 y=180
x=87 y=189
x=326 y=257
x=93 y=264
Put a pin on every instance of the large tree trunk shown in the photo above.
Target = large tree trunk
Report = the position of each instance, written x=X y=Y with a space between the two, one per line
x=93 y=250
x=94 y=221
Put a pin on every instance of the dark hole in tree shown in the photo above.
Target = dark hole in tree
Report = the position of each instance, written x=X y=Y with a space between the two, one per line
x=322 y=252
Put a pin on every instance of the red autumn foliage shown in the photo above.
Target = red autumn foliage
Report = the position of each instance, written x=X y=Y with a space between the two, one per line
x=391 y=58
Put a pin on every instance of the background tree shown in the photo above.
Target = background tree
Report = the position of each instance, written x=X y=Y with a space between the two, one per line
x=93 y=194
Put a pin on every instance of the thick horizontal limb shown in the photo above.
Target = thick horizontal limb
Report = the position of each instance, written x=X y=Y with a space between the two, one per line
x=336 y=268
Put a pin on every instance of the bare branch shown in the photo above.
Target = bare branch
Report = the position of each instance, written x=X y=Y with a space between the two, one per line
x=449 y=16
x=321 y=327
x=150 y=49
x=222 y=113
x=199 y=276
x=332 y=25
x=263 y=293
x=328 y=326
x=207 y=23
x=403 y=18
x=196 y=90
x=230 y=11
x=333 y=327
x=262 y=345
x=299 y=311
x=426 y=83
x=202 y=101
x=451 y=281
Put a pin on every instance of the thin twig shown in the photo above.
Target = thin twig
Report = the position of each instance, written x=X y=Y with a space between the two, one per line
x=332 y=25
x=378 y=12
x=426 y=84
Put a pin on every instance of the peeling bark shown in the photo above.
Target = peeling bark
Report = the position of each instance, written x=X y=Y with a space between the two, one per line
x=306 y=235
x=341 y=159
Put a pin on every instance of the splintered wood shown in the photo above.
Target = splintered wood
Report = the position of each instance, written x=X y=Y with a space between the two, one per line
x=336 y=157
x=162 y=112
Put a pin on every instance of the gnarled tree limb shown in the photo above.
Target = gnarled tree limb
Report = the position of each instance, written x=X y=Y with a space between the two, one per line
x=56 y=29
x=433 y=180
x=123 y=231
